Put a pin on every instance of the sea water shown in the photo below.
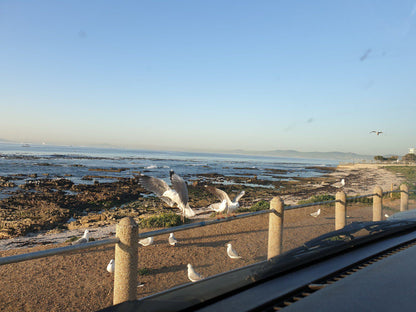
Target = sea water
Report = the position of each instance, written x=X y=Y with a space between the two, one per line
x=19 y=162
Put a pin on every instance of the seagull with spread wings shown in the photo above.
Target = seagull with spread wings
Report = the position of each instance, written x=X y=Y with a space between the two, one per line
x=376 y=132
x=231 y=205
x=178 y=194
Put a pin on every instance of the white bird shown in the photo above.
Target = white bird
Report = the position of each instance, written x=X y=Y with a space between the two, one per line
x=231 y=205
x=316 y=213
x=376 y=132
x=219 y=207
x=192 y=275
x=111 y=266
x=172 y=240
x=232 y=253
x=146 y=241
x=84 y=239
x=339 y=184
x=386 y=215
x=178 y=194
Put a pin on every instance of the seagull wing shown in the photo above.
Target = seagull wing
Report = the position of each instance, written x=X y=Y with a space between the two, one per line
x=179 y=185
x=238 y=197
x=219 y=193
x=157 y=186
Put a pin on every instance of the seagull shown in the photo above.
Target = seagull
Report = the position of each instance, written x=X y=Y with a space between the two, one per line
x=231 y=205
x=376 y=132
x=339 y=184
x=172 y=240
x=192 y=275
x=232 y=253
x=219 y=207
x=111 y=266
x=316 y=213
x=178 y=194
x=146 y=241
x=84 y=239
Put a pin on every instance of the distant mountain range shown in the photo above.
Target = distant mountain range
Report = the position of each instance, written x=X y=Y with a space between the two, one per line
x=279 y=153
x=297 y=154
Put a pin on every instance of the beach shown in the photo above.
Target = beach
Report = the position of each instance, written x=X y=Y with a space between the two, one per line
x=80 y=282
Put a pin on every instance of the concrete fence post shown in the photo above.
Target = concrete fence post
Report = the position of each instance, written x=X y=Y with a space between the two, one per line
x=377 y=203
x=275 y=228
x=340 y=210
x=404 y=197
x=126 y=261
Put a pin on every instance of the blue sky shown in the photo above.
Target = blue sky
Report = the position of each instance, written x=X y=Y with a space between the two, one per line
x=210 y=75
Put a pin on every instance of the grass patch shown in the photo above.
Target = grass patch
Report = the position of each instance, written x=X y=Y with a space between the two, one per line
x=143 y=271
x=317 y=199
x=409 y=172
x=162 y=220
x=259 y=206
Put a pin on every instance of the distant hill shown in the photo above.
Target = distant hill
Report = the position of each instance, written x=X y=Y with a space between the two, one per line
x=297 y=154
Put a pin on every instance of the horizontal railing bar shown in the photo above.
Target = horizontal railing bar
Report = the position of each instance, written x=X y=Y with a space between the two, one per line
x=310 y=204
x=202 y=223
x=360 y=196
x=56 y=251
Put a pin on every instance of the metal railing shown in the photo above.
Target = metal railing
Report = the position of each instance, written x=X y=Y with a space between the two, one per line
x=127 y=236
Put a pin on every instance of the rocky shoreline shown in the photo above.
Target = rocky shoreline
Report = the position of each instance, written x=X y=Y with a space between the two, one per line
x=53 y=206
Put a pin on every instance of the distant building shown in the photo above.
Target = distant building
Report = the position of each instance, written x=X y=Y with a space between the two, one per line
x=412 y=150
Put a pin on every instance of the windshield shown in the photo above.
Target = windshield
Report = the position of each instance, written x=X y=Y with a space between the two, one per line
x=197 y=119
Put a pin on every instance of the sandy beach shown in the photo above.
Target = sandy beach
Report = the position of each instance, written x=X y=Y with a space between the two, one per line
x=80 y=282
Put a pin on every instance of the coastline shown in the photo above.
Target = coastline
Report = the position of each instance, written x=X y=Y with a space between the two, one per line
x=360 y=179
x=79 y=281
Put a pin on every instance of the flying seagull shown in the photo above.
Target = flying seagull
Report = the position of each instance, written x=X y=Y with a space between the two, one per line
x=84 y=239
x=231 y=205
x=232 y=253
x=172 y=240
x=316 y=213
x=178 y=194
x=146 y=241
x=192 y=275
x=111 y=266
x=376 y=132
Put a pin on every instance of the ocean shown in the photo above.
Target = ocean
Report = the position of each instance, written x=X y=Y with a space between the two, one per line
x=22 y=162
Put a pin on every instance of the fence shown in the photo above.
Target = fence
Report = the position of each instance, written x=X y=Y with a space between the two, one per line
x=127 y=236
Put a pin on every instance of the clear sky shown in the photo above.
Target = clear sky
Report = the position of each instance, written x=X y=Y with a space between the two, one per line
x=216 y=75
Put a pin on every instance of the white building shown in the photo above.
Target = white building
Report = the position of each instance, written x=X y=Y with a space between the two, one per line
x=412 y=150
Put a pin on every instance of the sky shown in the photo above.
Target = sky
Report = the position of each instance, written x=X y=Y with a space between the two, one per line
x=210 y=75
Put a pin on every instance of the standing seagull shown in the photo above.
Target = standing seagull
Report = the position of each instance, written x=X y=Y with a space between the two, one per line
x=111 y=266
x=84 y=239
x=231 y=205
x=316 y=213
x=376 y=132
x=146 y=241
x=172 y=240
x=178 y=194
x=342 y=182
x=232 y=253
x=192 y=275
x=219 y=207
